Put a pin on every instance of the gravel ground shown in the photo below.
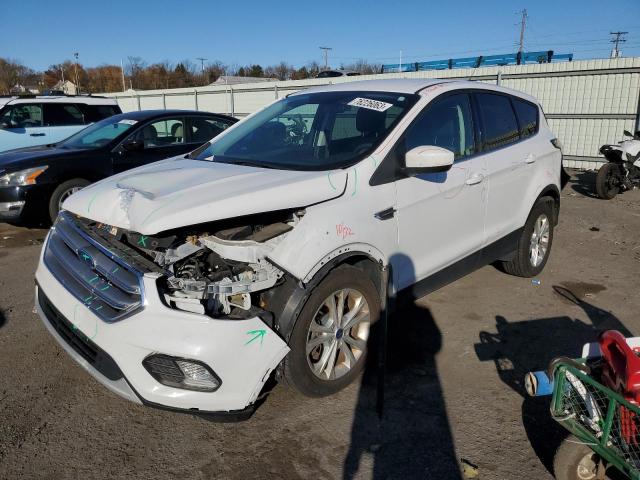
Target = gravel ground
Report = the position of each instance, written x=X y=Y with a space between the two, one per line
x=454 y=383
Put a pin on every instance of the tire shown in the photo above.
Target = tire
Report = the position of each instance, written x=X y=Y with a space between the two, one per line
x=522 y=264
x=606 y=186
x=304 y=371
x=62 y=191
x=575 y=461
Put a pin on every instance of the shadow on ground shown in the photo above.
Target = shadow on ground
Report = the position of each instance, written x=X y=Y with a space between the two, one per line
x=520 y=346
x=412 y=439
x=584 y=183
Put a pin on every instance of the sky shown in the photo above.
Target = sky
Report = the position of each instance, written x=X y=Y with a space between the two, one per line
x=39 y=34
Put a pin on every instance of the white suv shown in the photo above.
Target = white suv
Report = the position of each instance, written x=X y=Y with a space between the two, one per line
x=185 y=283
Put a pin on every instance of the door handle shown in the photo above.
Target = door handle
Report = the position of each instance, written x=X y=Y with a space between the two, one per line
x=385 y=214
x=530 y=158
x=36 y=134
x=474 y=179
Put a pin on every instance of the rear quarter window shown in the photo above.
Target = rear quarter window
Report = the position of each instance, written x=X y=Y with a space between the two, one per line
x=527 y=117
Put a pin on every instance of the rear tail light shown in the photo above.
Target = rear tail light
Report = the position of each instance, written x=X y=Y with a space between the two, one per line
x=182 y=373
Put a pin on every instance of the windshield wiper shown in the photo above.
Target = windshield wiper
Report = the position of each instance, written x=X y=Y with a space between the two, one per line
x=245 y=163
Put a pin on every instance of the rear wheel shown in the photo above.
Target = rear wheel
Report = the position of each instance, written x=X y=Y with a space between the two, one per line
x=329 y=340
x=62 y=192
x=608 y=181
x=535 y=241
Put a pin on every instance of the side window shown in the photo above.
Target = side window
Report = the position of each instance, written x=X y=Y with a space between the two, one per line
x=202 y=129
x=23 y=115
x=161 y=133
x=499 y=123
x=61 y=114
x=445 y=123
x=95 y=113
x=527 y=117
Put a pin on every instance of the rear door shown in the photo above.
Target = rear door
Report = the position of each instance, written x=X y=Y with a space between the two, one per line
x=155 y=140
x=509 y=161
x=21 y=126
x=62 y=120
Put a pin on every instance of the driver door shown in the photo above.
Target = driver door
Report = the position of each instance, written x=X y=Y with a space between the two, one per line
x=441 y=215
x=151 y=142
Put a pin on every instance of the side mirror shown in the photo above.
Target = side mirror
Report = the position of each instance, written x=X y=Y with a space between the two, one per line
x=427 y=159
x=133 y=145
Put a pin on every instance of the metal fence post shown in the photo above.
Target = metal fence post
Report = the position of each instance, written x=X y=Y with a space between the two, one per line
x=233 y=109
x=275 y=90
x=499 y=77
x=138 y=97
x=195 y=98
x=164 y=101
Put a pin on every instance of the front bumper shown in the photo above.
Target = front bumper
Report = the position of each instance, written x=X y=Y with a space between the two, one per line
x=224 y=345
x=14 y=201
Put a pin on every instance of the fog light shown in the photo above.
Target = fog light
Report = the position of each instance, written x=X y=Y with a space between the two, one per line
x=182 y=373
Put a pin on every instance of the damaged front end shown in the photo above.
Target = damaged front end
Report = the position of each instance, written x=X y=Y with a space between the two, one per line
x=218 y=269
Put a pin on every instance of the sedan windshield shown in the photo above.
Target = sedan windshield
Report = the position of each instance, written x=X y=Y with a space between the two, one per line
x=315 y=131
x=99 y=134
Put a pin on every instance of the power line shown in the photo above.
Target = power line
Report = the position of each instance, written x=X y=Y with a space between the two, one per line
x=201 y=62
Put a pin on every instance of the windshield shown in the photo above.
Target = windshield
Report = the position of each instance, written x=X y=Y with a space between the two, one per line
x=315 y=131
x=99 y=134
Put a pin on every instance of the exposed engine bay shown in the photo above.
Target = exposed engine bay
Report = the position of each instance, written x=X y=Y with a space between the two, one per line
x=215 y=269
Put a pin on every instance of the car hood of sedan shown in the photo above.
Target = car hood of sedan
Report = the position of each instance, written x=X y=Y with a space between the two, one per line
x=179 y=192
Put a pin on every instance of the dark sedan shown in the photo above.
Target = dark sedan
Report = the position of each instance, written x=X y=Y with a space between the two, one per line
x=35 y=181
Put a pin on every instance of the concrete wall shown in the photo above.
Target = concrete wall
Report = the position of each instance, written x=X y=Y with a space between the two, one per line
x=587 y=103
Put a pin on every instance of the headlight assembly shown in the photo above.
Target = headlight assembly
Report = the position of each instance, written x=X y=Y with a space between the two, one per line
x=22 y=177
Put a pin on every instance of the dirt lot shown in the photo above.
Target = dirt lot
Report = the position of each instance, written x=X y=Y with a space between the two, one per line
x=454 y=387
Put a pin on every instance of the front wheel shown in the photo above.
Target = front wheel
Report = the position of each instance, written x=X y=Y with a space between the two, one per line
x=575 y=461
x=608 y=181
x=62 y=192
x=329 y=340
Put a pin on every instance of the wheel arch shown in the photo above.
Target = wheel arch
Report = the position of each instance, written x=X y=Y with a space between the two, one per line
x=289 y=298
x=553 y=192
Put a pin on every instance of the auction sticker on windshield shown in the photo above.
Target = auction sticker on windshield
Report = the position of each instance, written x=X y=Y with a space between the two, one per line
x=376 y=105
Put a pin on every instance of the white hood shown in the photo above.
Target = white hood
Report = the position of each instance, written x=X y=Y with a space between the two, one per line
x=179 y=192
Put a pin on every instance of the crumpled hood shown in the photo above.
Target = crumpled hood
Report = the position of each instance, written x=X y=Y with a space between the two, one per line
x=179 y=192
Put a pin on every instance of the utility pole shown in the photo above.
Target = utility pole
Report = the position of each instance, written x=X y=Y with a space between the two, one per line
x=76 y=71
x=523 y=24
x=617 y=40
x=202 y=64
x=124 y=87
x=325 y=53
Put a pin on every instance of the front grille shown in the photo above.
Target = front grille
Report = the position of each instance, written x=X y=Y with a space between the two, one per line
x=83 y=346
x=90 y=272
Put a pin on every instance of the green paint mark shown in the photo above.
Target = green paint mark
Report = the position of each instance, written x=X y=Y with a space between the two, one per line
x=88 y=298
x=152 y=212
x=115 y=270
x=86 y=257
x=93 y=199
x=142 y=241
x=106 y=287
x=329 y=178
x=99 y=307
x=355 y=182
x=94 y=279
x=257 y=334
